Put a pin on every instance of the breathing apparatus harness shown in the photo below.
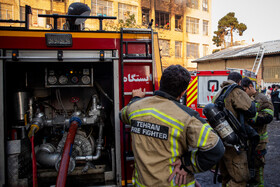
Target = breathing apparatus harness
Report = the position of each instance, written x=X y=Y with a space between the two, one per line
x=232 y=131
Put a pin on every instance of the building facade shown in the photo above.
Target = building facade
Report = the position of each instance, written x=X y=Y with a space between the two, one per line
x=184 y=26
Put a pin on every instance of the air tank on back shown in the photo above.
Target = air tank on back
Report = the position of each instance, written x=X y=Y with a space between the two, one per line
x=218 y=122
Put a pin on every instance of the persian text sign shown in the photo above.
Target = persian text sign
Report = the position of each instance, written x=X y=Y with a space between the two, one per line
x=138 y=76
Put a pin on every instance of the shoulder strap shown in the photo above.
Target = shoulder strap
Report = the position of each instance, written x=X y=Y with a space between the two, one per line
x=224 y=93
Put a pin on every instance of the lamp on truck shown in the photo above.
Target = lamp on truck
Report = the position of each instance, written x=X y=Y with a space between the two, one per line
x=77 y=9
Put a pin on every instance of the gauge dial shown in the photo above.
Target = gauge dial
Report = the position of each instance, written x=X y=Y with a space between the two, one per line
x=85 y=79
x=63 y=79
x=52 y=79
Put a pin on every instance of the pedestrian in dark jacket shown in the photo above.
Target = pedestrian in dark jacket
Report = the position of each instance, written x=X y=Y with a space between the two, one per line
x=276 y=101
x=263 y=91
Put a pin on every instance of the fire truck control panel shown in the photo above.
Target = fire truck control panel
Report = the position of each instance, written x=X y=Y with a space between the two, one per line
x=69 y=77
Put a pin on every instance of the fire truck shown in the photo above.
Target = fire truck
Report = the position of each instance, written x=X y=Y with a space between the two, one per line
x=204 y=85
x=61 y=92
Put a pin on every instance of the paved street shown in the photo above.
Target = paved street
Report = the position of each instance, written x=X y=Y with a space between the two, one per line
x=272 y=168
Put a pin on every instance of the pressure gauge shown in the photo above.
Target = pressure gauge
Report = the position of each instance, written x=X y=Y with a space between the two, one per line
x=85 y=79
x=75 y=79
x=52 y=79
x=63 y=79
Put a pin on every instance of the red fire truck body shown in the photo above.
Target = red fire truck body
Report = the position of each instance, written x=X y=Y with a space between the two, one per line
x=49 y=76
x=205 y=85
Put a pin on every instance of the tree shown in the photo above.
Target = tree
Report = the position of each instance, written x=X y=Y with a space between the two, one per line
x=228 y=25
x=130 y=22
x=219 y=37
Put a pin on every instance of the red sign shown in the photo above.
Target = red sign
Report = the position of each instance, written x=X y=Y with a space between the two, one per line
x=138 y=76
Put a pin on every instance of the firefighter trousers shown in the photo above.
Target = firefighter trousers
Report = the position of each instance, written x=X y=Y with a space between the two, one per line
x=258 y=180
x=234 y=168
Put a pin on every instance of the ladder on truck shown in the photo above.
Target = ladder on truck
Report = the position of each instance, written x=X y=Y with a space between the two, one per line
x=258 y=60
x=128 y=59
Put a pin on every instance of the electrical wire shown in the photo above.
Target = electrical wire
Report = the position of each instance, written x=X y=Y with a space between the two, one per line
x=45 y=103
x=58 y=97
x=103 y=92
x=90 y=133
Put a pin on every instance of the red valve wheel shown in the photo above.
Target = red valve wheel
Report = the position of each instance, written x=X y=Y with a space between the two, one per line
x=75 y=99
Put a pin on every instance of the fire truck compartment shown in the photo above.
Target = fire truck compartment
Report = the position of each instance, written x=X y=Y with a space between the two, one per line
x=45 y=89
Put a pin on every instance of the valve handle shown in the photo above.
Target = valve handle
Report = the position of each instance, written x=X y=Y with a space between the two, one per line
x=75 y=99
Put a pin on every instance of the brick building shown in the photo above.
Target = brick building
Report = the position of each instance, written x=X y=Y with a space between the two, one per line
x=184 y=26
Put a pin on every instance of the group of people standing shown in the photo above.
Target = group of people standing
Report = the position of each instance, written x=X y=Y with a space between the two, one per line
x=171 y=142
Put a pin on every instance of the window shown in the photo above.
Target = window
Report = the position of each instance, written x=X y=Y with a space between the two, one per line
x=192 y=4
x=126 y=10
x=271 y=74
x=192 y=25
x=164 y=46
x=145 y=16
x=192 y=50
x=100 y=7
x=205 y=28
x=162 y=20
x=22 y=13
x=205 y=49
x=50 y=22
x=6 y=11
x=178 y=49
x=60 y=21
x=205 y=5
x=178 y=22
x=38 y=21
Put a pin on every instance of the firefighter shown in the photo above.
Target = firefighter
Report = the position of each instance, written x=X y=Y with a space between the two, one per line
x=163 y=130
x=234 y=165
x=263 y=117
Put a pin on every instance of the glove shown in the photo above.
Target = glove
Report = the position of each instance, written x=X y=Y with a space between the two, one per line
x=253 y=120
x=186 y=161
